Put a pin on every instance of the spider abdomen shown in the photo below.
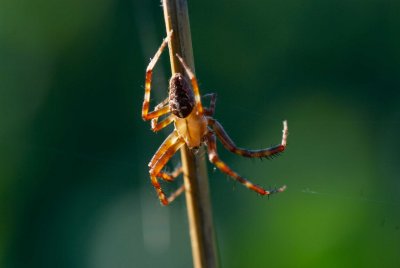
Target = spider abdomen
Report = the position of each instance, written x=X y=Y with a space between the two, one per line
x=181 y=97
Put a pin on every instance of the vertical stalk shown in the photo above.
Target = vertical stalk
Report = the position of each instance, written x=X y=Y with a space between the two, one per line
x=194 y=166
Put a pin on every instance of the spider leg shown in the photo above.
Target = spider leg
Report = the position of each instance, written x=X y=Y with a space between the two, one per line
x=195 y=85
x=214 y=158
x=177 y=193
x=155 y=126
x=168 y=142
x=169 y=147
x=146 y=115
x=170 y=176
x=230 y=145
x=210 y=110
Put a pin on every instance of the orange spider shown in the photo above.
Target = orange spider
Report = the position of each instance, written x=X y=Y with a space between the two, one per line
x=194 y=125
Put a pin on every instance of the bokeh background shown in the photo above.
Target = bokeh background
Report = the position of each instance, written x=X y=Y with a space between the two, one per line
x=74 y=186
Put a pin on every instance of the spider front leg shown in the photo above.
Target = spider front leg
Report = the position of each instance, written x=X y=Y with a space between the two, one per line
x=146 y=115
x=164 y=153
x=230 y=145
x=214 y=158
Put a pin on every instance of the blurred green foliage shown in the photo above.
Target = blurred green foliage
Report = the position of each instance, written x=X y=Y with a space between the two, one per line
x=73 y=149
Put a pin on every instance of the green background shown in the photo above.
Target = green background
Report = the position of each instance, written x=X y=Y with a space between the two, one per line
x=74 y=185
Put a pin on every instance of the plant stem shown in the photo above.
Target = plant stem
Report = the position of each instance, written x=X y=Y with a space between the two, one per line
x=194 y=166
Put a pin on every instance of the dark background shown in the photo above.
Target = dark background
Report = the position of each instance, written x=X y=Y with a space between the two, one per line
x=74 y=185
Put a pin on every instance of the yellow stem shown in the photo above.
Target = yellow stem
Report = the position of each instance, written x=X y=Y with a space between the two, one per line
x=194 y=166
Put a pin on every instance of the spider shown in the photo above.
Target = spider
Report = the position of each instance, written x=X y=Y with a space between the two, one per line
x=194 y=126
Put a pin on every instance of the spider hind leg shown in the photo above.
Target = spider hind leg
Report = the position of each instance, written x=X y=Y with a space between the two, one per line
x=214 y=158
x=227 y=142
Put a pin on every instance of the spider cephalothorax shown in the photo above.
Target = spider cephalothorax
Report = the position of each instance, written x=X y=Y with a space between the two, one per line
x=194 y=125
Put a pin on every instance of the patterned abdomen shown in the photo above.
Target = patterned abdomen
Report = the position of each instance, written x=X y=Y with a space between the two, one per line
x=181 y=97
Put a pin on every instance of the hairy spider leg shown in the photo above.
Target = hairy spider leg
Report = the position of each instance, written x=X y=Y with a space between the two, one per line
x=170 y=146
x=284 y=134
x=210 y=110
x=168 y=142
x=157 y=126
x=177 y=193
x=146 y=115
x=230 y=145
x=155 y=172
x=195 y=85
x=214 y=158
x=170 y=176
